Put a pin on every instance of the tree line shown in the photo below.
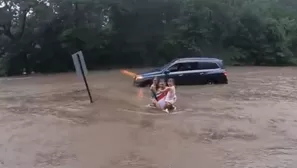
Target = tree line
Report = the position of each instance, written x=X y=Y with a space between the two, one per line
x=41 y=35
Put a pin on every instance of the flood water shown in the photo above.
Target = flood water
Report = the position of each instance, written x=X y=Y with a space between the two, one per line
x=48 y=122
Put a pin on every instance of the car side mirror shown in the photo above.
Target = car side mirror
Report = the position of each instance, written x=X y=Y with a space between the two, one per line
x=166 y=72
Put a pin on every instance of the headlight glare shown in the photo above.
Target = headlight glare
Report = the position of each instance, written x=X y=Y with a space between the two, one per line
x=138 y=77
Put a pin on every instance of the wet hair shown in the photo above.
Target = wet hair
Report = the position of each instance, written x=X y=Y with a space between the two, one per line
x=157 y=85
x=172 y=80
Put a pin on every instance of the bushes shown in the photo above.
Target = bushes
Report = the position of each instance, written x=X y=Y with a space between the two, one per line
x=122 y=33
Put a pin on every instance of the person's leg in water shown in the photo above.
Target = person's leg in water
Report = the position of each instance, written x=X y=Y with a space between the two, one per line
x=154 y=104
x=169 y=106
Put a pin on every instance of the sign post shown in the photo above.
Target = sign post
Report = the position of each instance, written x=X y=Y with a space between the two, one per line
x=81 y=70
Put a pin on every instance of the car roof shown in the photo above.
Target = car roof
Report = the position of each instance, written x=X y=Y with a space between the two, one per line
x=194 y=59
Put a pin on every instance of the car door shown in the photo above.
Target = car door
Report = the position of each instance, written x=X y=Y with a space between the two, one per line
x=190 y=75
x=184 y=73
x=206 y=70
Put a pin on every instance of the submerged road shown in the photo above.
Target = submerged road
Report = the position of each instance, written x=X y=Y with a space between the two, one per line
x=47 y=122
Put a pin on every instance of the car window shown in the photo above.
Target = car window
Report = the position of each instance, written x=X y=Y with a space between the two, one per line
x=183 y=67
x=166 y=65
x=221 y=65
x=208 y=65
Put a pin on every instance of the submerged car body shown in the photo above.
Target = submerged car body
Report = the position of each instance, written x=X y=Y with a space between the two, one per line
x=187 y=71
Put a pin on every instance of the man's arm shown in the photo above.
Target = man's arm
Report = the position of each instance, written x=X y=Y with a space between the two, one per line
x=153 y=89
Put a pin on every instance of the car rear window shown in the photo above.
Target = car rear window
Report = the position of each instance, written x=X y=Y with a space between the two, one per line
x=208 y=65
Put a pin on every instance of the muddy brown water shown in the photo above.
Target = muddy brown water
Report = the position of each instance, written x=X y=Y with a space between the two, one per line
x=47 y=122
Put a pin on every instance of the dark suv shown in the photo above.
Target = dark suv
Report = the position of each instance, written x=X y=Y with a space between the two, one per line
x=187 y=71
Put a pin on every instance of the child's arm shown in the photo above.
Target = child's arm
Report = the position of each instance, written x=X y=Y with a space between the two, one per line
x=167 y=89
